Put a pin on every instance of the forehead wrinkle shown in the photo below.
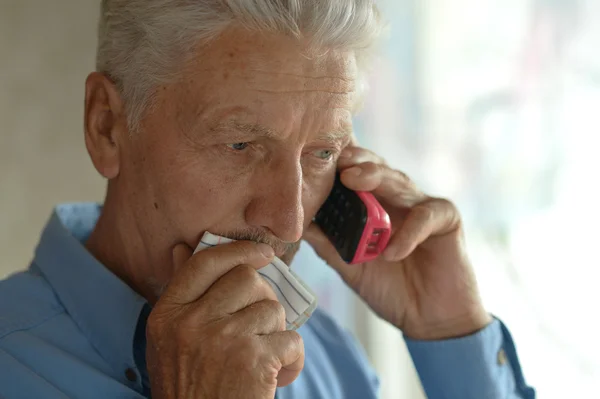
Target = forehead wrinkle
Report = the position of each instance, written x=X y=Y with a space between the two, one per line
x=302 y=76
x=300 y=91
x=252 y=129
x=287 y=83
x=303 y=82
x=317 y=99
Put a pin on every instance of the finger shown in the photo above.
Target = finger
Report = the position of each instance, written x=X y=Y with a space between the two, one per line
x=198 y=273
x=181 y=254
x=327 y=251
x=431 y=218
x=235 y=290
x=288 y=348
x=261 y=318
x=356 y=155
x=393 y=186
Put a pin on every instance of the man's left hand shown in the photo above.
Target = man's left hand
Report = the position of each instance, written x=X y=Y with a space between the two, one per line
x=423 y=283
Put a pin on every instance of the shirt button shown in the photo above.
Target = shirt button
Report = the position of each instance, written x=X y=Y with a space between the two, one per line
x=502 y=359
x=131 y=375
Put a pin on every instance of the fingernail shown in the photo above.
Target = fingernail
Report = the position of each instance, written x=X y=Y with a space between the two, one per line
x=355 y=171
x=266 y=250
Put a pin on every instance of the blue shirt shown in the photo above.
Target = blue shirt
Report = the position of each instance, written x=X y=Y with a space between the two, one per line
x=69 y=328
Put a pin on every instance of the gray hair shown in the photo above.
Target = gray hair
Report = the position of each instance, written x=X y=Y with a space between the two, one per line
x=146 y=43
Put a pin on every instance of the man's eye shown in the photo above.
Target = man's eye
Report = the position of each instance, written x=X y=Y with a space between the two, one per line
x=324 y=154
x=238 y=146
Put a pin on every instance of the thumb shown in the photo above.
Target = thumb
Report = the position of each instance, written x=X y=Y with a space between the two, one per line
x=326 y=251
x=181 y=254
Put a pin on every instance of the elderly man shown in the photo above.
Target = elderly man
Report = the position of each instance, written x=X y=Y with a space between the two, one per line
x=233 y=117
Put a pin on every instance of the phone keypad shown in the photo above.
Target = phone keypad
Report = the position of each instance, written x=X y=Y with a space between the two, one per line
x=342 y=218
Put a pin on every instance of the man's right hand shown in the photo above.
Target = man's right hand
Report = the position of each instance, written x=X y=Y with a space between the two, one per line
x=218 y=330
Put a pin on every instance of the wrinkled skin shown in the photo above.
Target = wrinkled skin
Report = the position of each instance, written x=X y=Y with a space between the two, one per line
x=246 y=144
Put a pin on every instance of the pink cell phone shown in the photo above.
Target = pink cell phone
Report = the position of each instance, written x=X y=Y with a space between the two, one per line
x=355 y=223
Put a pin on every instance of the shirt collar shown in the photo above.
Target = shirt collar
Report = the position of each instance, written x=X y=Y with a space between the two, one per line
x=104 y=307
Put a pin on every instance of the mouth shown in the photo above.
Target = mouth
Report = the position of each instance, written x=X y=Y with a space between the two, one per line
x=285 y=251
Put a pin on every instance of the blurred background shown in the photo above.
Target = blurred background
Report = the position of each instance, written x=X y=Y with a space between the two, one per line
x=494 y=104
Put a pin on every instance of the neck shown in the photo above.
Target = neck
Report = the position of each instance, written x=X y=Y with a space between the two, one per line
x=116 y=242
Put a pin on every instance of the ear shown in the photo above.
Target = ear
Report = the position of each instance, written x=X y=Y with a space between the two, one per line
x=105 y=124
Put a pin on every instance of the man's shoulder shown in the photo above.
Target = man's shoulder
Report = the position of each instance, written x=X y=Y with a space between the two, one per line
x=26 y=301
x=44 y=352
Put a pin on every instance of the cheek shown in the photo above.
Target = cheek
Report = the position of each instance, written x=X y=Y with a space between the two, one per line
x=186 y=187
x=196 y=198
x=315 y=193
x=174 y=184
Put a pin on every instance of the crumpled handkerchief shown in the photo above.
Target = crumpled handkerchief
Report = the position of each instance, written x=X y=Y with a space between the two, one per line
x=298 y=300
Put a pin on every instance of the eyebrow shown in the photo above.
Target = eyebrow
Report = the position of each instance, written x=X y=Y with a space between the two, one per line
x=246 y=128
x=256 y=130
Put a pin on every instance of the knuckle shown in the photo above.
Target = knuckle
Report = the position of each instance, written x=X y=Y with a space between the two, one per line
x=270 y=312
x=451 y=212
x=296 y=341
x=246 y=273
x=420 y=213
x=275 y=309
x=425 y=213
x=447 y=204
x=264 y=289
x=402 y=176
x=228 y=330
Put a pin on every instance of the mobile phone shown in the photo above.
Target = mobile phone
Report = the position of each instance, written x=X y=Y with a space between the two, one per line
x=355 y=222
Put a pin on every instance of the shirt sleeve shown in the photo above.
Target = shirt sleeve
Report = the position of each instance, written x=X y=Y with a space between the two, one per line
x=482 y=365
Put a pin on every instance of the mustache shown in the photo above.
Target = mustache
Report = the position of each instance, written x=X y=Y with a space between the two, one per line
x=280 y=247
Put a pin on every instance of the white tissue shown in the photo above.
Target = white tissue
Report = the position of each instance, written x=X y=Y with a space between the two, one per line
x=297 y=299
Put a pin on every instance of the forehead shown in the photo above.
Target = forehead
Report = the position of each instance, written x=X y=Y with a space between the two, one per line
x=270 y=63
x=271 y=75
x=241 y=50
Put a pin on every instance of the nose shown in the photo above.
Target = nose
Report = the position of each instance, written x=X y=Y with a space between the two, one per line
x=276 y=204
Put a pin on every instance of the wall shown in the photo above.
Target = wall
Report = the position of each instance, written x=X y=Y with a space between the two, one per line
x=46 y=51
